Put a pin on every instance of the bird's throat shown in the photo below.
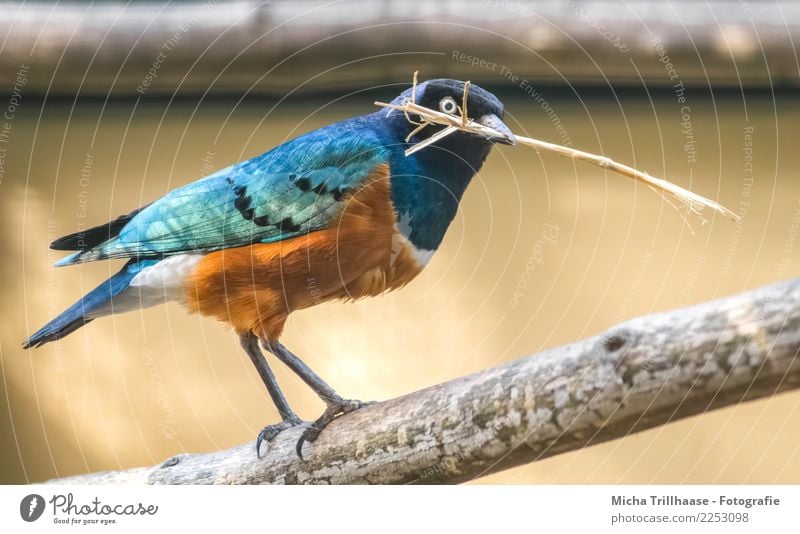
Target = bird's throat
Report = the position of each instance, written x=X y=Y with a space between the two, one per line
x=427 y=189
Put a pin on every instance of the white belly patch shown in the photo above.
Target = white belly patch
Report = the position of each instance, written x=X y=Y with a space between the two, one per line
x=164 y=281
x=423 y=256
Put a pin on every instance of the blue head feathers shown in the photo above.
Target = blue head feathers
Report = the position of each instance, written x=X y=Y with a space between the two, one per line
x=427 y=186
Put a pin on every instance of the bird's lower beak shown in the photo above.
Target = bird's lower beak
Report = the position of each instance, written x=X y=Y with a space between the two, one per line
x=502 y=134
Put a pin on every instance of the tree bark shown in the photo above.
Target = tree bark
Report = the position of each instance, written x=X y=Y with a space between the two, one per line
x=646 y=372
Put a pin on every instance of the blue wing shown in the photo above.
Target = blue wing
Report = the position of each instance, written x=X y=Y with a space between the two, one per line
x=294 y=189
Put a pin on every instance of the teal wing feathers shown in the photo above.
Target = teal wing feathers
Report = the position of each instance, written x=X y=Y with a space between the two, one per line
x=294 y=189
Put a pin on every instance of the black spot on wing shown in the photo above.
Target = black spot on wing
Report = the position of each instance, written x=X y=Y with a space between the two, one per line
x=261 y=220
x=242 y=201
x=288 y=225
x=339 y=193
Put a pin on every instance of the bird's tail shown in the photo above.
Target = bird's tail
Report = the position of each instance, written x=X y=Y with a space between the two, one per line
x=86 y=309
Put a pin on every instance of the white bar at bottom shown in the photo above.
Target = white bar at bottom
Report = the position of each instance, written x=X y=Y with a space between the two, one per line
x=401 y=509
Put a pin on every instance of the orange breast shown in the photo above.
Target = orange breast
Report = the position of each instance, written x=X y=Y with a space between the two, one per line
x=255 y=288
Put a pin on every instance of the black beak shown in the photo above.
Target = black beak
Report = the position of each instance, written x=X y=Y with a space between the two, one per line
x=504 y=136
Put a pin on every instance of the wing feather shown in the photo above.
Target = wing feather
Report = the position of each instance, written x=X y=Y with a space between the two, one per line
x=297 y=188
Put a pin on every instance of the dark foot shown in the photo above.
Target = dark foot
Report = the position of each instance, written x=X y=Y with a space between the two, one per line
x=269 y=432
x=337 y=407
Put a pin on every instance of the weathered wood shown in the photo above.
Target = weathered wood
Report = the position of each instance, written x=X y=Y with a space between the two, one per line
x=646 y=372
x=163 y=48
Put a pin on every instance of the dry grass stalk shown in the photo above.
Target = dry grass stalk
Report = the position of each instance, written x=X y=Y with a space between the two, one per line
x=427 y=116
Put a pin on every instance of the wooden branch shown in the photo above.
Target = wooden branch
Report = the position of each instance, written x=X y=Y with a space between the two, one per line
x=209 y=46
x=643 y=373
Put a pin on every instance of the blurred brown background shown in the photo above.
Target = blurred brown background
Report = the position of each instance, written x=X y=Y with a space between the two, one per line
x=133 y=389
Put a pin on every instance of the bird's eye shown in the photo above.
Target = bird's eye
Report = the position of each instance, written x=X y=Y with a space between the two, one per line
x=448 y=105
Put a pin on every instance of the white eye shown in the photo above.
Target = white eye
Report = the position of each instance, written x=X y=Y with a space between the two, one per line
x=448 y=105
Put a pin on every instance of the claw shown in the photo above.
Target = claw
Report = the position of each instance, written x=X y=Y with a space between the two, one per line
x=269 y=432
x=313 y=431
x=259 y=440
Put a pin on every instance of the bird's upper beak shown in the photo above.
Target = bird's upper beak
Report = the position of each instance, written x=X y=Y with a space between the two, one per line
x=504 y=134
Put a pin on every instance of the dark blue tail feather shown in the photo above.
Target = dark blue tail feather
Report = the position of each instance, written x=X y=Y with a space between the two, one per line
x=77 y=315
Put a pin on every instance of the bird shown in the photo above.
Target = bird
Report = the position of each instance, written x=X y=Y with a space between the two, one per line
x=338 y=213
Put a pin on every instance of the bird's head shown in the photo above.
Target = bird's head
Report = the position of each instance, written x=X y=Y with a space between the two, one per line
x=428 y=184
x=447 y=96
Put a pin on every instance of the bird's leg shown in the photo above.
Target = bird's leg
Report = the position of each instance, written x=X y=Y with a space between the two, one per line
x=249 y=343
x=335 y=404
